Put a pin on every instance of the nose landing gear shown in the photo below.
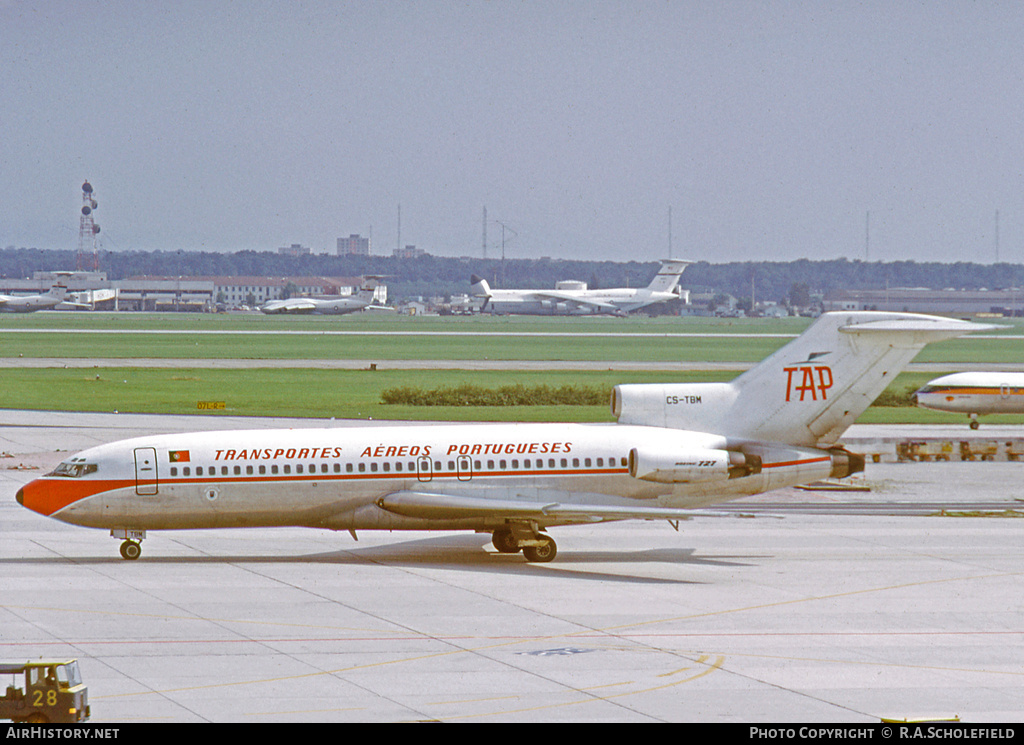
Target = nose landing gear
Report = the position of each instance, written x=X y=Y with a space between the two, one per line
x=131 y=549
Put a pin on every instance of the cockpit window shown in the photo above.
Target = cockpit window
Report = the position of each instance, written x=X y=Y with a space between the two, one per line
x=72 y=470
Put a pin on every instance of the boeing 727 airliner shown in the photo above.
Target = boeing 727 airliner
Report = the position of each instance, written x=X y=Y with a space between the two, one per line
x=675 y=447
x=974 y=393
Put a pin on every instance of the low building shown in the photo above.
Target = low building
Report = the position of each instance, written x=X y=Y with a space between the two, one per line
x=923 y=300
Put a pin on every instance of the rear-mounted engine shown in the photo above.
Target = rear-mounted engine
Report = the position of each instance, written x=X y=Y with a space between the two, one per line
x=684 y=467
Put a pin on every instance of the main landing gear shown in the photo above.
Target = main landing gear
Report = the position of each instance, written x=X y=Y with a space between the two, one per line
x=131 y=549
x=536 y=546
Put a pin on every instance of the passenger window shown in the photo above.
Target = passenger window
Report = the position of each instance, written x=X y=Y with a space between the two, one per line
x=362 y=468
x=263 y=470
x=387 y=467
x=186 y=471
x=298 y=468
x=223 y=470
x=273 y=469
x=348 y=468
x=373 y=467
x=502 y=465
x=174 y=471
x=586 y=463
x=238 y=470
x=248 y=470
x=287 y=469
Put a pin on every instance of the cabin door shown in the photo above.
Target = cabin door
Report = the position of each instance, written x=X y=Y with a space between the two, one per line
x=145 y=471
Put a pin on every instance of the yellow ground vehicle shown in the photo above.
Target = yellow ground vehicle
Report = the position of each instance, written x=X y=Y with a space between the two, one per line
x=53 y=692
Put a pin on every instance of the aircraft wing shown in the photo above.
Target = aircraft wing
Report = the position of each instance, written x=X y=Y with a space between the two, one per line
x=585 y=302
x=435 y=506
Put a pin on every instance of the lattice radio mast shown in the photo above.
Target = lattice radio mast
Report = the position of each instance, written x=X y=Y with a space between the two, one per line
x=87 y=231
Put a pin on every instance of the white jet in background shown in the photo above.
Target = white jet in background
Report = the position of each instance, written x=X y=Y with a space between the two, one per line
x=362 y=300
x=570 y=302
x=974 y=393
x=54 y=298
x=675 y=447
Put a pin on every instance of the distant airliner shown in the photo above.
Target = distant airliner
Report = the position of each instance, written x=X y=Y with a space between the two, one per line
x=675 y=447
x=974 y=393
x=52 y=298
x=566 y=302
x=362 y=300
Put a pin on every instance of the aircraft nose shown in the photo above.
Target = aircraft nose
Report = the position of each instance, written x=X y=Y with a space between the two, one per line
x=20 y=496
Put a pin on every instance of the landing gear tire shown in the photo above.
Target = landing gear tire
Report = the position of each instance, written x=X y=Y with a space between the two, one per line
x=975 y=424
x=130 y=550
x=543 y=553
x=504 y=541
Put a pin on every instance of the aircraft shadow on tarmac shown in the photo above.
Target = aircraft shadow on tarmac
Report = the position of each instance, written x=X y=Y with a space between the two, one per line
x=463 y=552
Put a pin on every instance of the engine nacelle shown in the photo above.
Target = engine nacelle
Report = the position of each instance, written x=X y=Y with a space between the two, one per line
x=674 y=466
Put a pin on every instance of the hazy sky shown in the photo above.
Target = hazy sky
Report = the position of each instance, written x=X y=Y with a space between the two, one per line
x=769 y=129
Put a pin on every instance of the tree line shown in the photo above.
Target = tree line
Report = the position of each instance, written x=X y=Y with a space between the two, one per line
x=437 y=275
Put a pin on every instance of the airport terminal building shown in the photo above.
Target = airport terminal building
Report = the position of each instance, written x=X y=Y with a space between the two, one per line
x=922 y=300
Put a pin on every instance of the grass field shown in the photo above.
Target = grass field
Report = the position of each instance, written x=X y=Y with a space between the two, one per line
x=357 y=393
x=356 y=337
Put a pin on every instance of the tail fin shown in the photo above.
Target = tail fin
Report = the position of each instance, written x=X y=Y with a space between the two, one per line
x=668 y=275
x=806 y=393
x=480 y=287
x=59 y=290
x=370 y=287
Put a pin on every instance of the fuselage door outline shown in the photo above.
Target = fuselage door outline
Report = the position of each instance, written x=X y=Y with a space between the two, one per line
x=465 y=468
x=424 y=468
x=146 y=481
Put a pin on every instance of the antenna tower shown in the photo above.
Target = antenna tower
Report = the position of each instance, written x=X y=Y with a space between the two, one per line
x=87 y=231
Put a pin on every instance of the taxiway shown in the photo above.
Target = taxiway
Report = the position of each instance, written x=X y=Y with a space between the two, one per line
x=785 y=607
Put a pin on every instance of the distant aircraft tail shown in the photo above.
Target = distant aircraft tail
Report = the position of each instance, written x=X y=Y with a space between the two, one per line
x=668 y=275
x=59 y=290
x=480 y=287
x=806 y=393
x=368 y=290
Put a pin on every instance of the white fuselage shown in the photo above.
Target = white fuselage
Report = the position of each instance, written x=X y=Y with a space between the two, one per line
x=975 y=393
x=573 y=302
x=332 y=478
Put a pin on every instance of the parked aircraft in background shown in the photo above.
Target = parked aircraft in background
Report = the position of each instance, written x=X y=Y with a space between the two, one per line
x=569 y=300
x=974 y=393
x=55 y=297
x=362 y=300
x=675 y=447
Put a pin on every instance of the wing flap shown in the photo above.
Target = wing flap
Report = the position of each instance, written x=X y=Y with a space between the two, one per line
x=435 y=506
